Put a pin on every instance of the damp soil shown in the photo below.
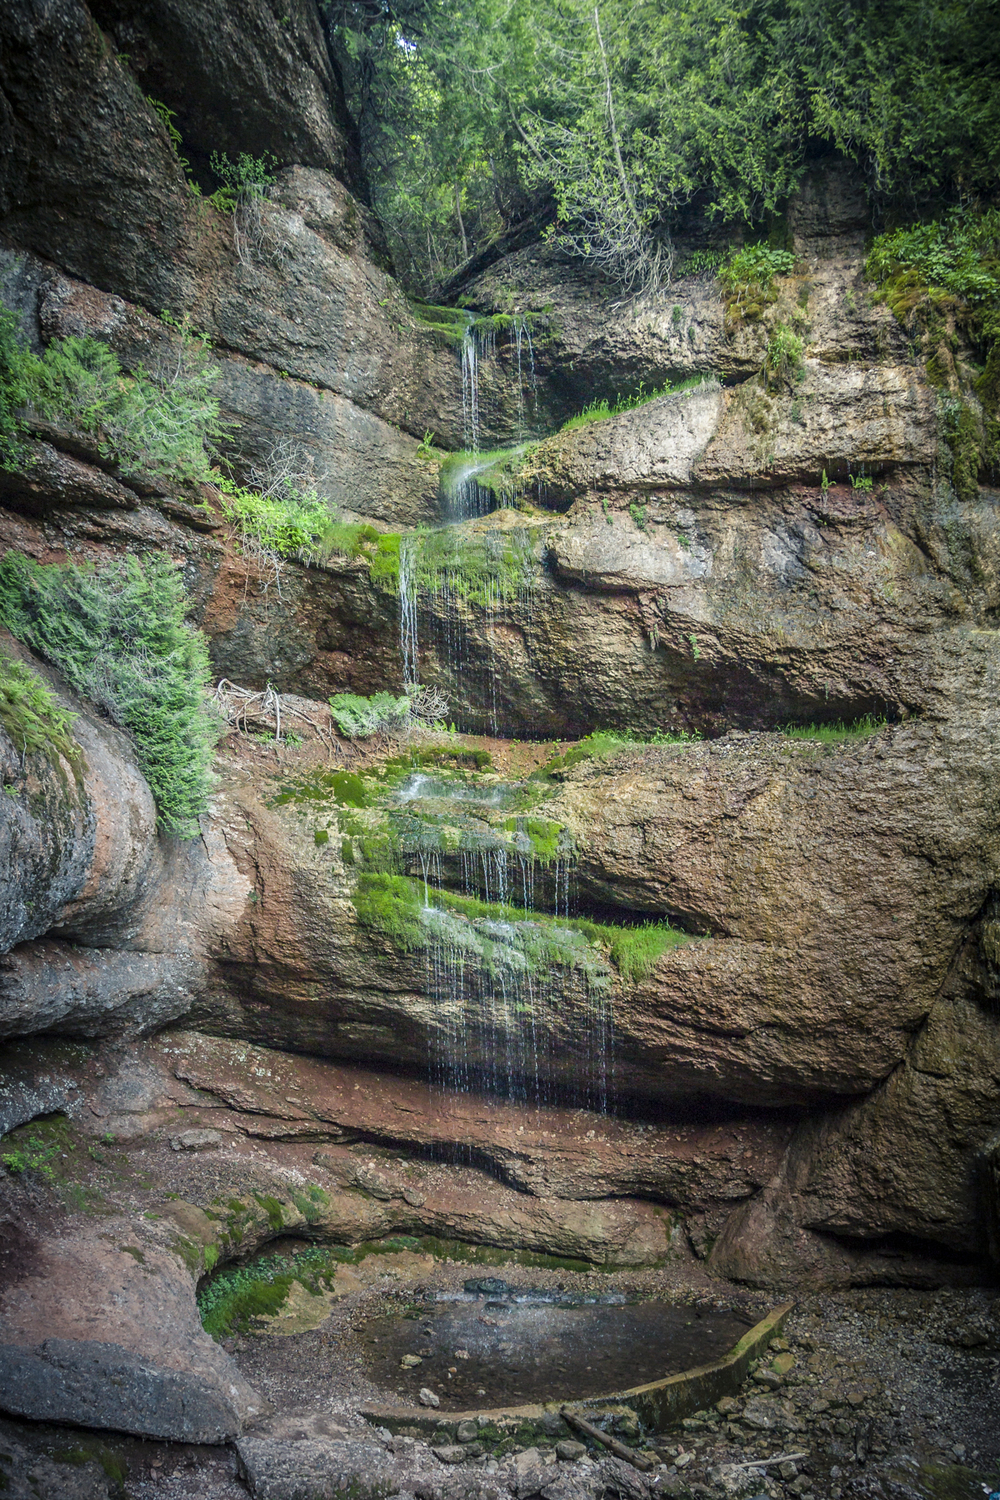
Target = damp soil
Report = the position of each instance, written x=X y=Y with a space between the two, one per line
x=476 y=1353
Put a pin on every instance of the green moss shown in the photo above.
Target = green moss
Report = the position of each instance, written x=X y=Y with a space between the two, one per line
x=341 y=788
x=488 y=325
x=483 y=568
x=634 y=951
x=390 y=906
x=358 y=540
x=32 y=715
x=393 y=906
x=964 y=439
x=547 y=839
x=190 y=1252
x=237 y=1295
x=747 y=279
x=310 y=1201
x=449 y=324
x=274 y=1210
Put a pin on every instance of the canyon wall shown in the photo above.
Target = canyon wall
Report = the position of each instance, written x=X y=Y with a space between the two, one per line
x=808 y=1082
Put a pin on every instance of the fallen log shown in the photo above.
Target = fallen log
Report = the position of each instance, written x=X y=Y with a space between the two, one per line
x=620 y=1450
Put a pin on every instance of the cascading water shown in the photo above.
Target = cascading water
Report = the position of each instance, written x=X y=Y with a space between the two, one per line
x=464 y=498
x=501 y=982
x=522 y=343
x=408 y=612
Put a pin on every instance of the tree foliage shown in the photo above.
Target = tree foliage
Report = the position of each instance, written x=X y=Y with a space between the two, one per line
x=620 y=113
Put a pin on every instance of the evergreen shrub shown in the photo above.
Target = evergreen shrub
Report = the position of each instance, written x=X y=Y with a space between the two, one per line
x=119 y=638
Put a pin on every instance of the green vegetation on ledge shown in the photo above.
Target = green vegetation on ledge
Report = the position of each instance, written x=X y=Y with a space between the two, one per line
x=147 y=423
x=32 y=716
x=394 y=907
x=836 y=734
x=599 y=411
x=119 y=637
x=482 y=567
x=607 y=742
x=948 y=271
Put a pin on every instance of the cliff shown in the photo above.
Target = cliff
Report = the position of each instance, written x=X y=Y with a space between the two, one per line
x=805 y=1073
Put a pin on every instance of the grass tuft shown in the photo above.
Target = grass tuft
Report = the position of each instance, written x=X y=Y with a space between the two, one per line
x=836 y=734
x=599 y=411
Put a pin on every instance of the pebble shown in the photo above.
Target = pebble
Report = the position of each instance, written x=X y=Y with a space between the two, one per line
x=428 y=1398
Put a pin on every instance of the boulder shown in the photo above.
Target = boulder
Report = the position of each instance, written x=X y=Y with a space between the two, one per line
x=153 y=1372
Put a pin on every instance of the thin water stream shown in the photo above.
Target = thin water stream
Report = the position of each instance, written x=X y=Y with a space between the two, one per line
x=499 y=981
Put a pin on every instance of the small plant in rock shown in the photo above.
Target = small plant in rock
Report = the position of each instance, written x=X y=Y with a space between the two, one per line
x=34 y=1148
x=246 y=183
x=638 y=514
x=783 y=360
x=862 y=482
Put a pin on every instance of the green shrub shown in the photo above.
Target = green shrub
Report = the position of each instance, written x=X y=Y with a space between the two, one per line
x=14 y=388
x=384 y=713
x=246 y=178
x=119 y=638
x=747 y=279
x=155 y=423
x=285 y=525
x=957 y=257
x=32 y=715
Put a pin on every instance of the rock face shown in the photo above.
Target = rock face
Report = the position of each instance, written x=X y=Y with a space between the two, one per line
x=807 y=1083
x=103 y=927
x=154 y=1372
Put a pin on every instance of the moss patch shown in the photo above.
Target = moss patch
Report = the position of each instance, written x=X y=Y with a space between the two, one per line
x=393 y=906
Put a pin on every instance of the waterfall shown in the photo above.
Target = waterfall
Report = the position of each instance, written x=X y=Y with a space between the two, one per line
x=408 y=612
x=470 y=387
x=522 y=340
x=499 y=1017
x=520 y=1005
